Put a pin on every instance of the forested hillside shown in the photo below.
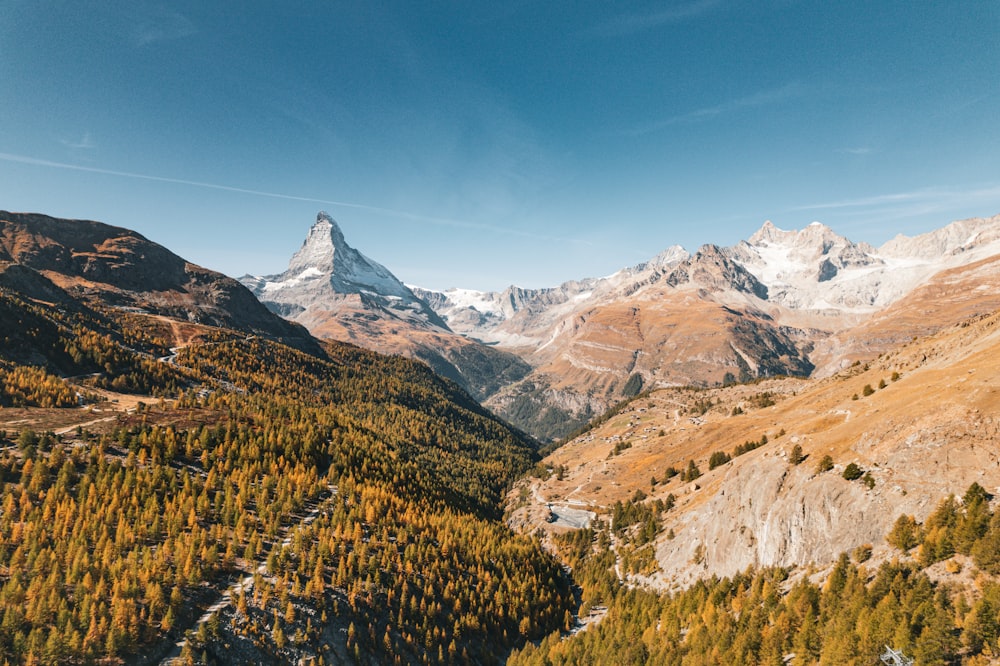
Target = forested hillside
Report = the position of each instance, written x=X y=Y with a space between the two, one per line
x=358 y=494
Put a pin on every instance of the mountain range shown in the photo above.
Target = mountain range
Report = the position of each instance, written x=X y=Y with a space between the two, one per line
x=806 y=421
x=799 y=303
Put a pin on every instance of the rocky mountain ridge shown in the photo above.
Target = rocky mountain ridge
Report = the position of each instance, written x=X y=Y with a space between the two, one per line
x=809 y=269
x=782 y=302
x=57 y=261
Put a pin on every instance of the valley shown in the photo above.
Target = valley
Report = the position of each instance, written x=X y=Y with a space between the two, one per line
x=660 y=333
x=187 y=477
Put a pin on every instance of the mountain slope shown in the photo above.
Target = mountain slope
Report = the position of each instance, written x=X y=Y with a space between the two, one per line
x=338 y=293
x=107 y=266
x=920 y=421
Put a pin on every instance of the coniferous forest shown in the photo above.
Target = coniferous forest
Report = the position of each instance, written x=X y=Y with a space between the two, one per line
x=358 y=494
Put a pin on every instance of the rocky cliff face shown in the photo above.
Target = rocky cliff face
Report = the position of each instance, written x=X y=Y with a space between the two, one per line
x=713 y=269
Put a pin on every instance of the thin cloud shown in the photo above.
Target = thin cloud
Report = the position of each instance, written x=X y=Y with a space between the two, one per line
x=85 y=143
x=925 y=194
x=861 y=150
x=159 y=25
x=756 y=100
x=415 y=217
x=905 y=205
x=628 y=24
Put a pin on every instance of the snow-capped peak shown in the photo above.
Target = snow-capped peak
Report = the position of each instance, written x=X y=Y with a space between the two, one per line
x=320 y=246
x=767 y=233
x=326 y=269
x=962 y=236
x=673 y=255
x=814 y=237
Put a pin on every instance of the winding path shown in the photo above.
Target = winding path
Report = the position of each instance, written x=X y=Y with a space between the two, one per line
x=245 y=584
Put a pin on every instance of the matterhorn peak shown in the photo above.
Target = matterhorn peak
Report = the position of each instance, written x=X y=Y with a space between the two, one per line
x=326 y=270
x=320 y=246
x=327 y=224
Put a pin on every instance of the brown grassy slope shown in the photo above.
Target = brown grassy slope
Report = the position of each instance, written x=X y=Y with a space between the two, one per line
x=930 y=433
x=103 y=265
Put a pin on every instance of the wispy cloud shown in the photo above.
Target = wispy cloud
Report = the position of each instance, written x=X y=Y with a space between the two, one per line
x=159 y=24
x=908 y=205
x=928 y=194
x=628 y=24
x=860 y=150
x=390 y=212
x=86 y=142
x=758 y=99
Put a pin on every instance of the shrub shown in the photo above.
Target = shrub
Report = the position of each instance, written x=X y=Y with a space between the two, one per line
x=853 y=472
x=862 y=553
x=825 y=464
x=867 y=390
x=796 y=456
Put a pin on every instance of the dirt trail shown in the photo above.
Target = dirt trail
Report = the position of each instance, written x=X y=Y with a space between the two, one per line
x=245 y=584
x=71 y=428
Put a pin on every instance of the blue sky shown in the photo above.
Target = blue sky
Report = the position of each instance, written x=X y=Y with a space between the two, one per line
x=480 y=144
